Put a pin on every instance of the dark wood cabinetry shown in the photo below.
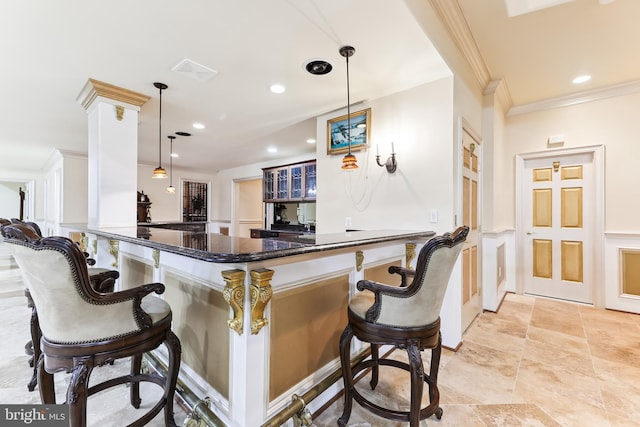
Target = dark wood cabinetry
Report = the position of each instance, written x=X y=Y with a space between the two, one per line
x=295 y=182
x=144 y=207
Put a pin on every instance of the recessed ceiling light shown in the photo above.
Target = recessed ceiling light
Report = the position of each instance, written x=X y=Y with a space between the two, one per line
x=318 y=67
x=311 y=141
x=272 y=149
x=276 y=88
x=175 y=155
x=581 y=79
x=198 y=125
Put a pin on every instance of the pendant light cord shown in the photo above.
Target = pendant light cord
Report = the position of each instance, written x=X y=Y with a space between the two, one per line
x=348 y=108
x=160 y=132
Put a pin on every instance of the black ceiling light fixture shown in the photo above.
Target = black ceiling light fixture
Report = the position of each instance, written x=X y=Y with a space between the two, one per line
x=318 y=67
x=159 y=172
x=349 y=161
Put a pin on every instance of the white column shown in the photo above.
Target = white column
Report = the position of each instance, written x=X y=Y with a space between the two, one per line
x=112 y=154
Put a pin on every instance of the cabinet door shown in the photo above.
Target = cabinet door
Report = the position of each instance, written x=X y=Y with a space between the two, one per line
x=282 y=184
x=268 y=181
x=296 y=191
x=310 y=181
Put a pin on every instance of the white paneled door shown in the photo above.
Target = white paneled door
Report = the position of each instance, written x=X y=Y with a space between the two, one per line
x=558 y=217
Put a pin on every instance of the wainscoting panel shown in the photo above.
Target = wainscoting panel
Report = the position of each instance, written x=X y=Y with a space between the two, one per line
x=306 y=323
x=498 y=267
x=622 y=272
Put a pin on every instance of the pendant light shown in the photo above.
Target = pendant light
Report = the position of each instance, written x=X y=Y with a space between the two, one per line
x=171 y=189
x=159 y=172
x=349 y=161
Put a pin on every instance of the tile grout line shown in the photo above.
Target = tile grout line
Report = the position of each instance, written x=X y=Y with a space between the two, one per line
x=526 y=335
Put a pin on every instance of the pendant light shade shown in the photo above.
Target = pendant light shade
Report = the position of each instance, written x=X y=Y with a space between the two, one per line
x=160 y=172
x=171 y=189
x=349 y=161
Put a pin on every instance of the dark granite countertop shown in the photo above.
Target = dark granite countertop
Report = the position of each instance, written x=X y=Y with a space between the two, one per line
x=159 y=223
x=214 y=247
x=284 y=231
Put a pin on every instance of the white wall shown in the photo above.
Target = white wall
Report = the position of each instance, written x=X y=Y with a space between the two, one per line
x=165 y=206
x=611 y=122
x=419 y=122
x=10 y=199
x=34 y=182
x=74 y=189
x=223 y=188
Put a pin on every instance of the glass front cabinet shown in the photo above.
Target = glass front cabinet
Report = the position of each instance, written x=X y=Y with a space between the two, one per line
x=296 y=182
x=268 y=185
x=310 y=181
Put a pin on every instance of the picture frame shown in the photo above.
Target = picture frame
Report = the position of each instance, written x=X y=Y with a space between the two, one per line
x=337 y=141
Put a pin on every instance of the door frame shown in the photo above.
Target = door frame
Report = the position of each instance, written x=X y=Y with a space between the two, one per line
x=597 y=151
x=236 y=185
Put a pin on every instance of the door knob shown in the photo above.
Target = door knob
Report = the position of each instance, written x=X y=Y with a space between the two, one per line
x=529 y=233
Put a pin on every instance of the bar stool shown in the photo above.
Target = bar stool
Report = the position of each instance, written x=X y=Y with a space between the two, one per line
x=102 y=280
x=73 y=337
x=407 y=317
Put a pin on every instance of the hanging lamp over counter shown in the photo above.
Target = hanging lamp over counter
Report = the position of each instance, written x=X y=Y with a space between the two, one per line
x=349 y=161
x=160 y=172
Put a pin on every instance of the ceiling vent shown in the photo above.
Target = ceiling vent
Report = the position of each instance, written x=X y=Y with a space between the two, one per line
x=194 y=70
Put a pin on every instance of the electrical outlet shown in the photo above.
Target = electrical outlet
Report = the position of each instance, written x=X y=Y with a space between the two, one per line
x=347 y=221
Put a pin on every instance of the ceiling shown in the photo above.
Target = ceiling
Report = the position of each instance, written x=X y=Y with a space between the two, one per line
x=50 y=49
x=539 y=53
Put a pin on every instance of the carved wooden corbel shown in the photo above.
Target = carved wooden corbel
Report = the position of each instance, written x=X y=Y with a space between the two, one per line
x=119 y=112
x=410 y=254
x=261 y=293
x=113 y=250
x=234 y=296
x=156 y=258
x=359 y=260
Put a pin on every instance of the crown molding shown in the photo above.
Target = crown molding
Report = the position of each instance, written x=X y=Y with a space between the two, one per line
x=95 y=88
x=577 y=98
x=452 y=17
x=500 y=91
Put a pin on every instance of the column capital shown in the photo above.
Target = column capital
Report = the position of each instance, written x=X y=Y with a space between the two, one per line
x=95 y=88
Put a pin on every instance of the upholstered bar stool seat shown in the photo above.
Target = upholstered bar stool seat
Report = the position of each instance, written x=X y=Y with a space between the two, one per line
x=407 y=317
x=82 y=328
x=102 y=280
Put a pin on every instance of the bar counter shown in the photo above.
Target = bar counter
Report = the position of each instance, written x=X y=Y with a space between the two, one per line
x=213 y=247
x=259 y=320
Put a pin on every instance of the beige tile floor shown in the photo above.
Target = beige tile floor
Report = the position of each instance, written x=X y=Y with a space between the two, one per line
x=537 y=362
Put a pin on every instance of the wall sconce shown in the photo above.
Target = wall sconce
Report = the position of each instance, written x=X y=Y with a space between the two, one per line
x=391 y=163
